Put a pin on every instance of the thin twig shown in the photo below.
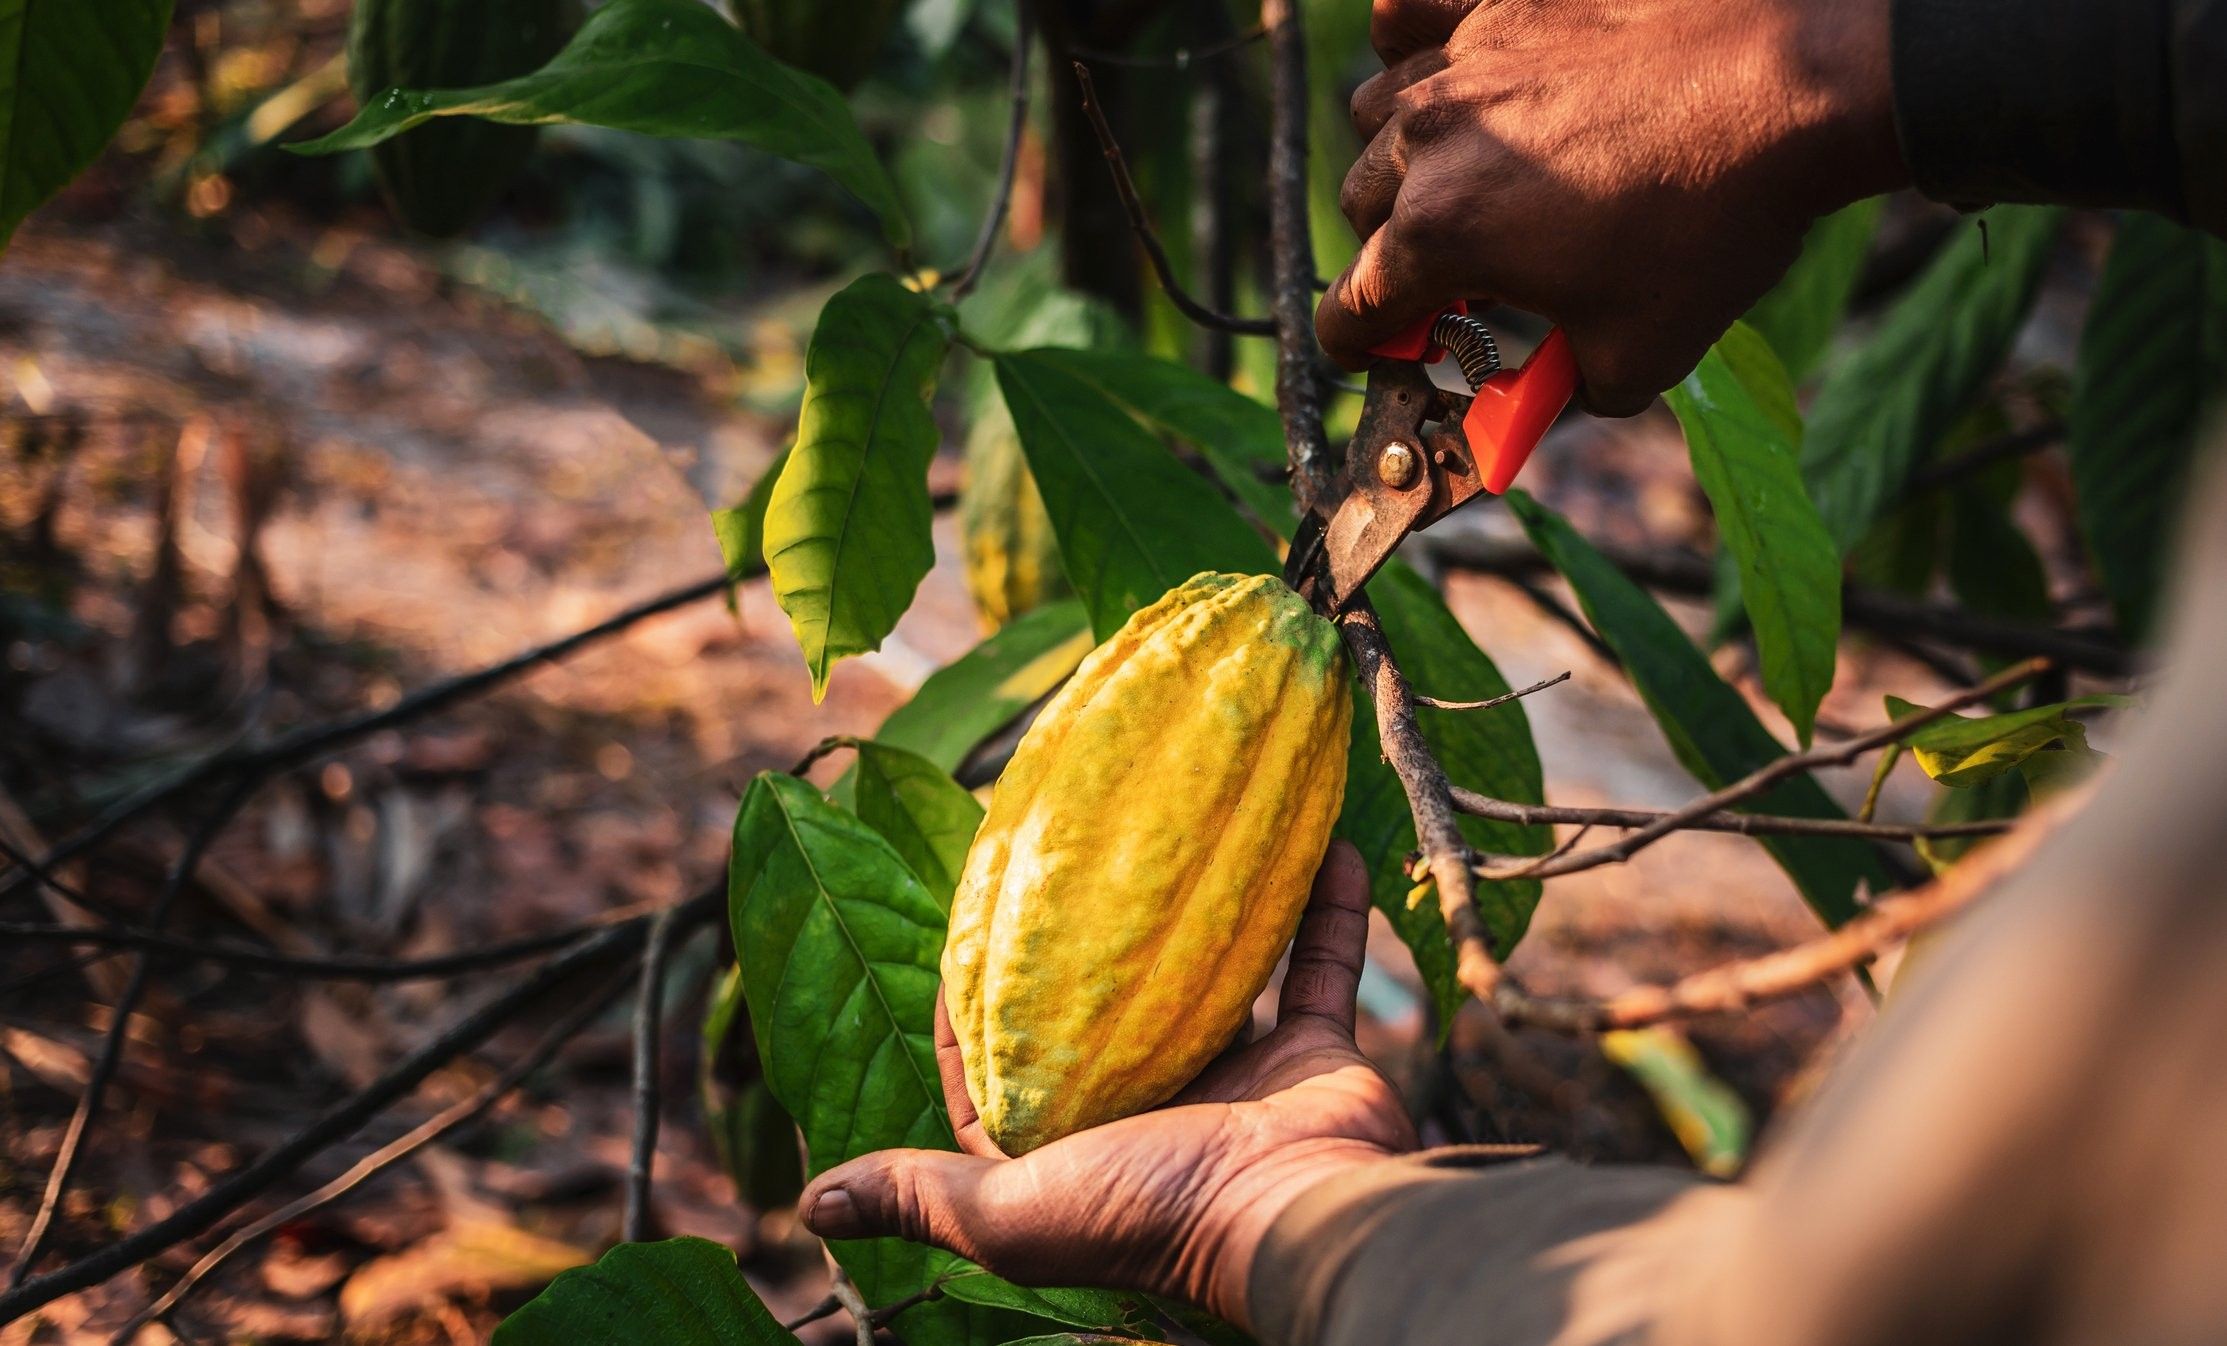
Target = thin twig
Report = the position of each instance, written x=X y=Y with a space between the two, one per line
x=2002 y=448
x=1291 y=244
x=1501 y=700
x=315 y=741
x=456 y=1115
x=862 y=1317
x=1764 y=778
x=1437 y=830
x=339 y=967
x=1016 y=130
x=1774 y=976
x=1741 y=824
x=1147 y=237
x=344 y=1119
x=649 y=1023
x=119 y=1031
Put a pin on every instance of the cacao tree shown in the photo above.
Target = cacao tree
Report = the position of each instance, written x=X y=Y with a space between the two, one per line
x=1857 y=465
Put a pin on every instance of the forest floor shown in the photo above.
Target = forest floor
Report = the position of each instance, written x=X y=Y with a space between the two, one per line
x=260 y=475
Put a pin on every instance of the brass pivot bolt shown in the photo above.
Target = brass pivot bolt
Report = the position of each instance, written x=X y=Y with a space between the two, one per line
x=1396 y=465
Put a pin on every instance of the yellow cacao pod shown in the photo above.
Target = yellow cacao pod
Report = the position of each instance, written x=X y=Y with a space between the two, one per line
x=1146 y=858
x=1013 y=564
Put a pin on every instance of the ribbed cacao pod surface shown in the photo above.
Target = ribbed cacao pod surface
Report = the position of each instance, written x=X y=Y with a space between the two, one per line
x=1146 y=858
x=839 y=42
x=1013 y=563
x=443 y=177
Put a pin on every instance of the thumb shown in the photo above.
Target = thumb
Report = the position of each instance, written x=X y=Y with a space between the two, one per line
x=927 y=1196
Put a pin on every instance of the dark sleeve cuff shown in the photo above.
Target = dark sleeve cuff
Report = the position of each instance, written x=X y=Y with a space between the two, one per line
x=2038 y=101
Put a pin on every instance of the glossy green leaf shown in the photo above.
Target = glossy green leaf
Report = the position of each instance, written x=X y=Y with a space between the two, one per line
x=1744 y=436
x=2153 y=364
x=1992 y=565
x=1071 y=1339
x=839 y=947
x=2006 y=796
x=920 y=811
x=1710 y=727
x=681 y=1292
x=1132 y=521
x=981 y=691
x=1711 y=1121
x=662 y=68
x=1881 y=411
x=1112 y=1310
x=70 y=71
x=753 y=1135
x=1486 y=750
x=1962 y=752
x=847 y=528
x=1801 y=313
x=741 y=529
x=1242 y=440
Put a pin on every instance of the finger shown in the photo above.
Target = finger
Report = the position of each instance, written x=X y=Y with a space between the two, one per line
x=1400 y=28
x=1326 y=956
x=927 y=1196
x=1378 y=99
x=1386 y=290
x=1622 y=367
x=1372 y=186
x=966 y=1122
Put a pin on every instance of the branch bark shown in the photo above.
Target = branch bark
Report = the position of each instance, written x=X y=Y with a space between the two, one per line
x=1291 y=244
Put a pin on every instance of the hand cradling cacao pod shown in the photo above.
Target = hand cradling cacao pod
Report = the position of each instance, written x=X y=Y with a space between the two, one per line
x=1146 y=858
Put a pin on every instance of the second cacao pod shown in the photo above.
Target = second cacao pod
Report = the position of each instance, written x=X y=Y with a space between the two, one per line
x=1013 y=562
x=442 y=177
x=1146 y=858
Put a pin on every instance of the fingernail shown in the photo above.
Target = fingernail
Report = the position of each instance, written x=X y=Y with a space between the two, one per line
x=834 y=1215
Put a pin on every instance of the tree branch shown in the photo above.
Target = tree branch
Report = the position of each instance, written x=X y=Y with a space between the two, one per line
x=278 y=1163
x=1501 y=700
x=112 y=1046
x=1774 y=976
x=1298 y=395
x=315 y=741
x=649 y=1022
x=1763 y=779
x=1141 y=225
x=1742 y=824
x=985 y=243
x=459 y=1114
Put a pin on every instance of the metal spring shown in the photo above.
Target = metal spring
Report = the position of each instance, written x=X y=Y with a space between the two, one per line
x=1472 y=346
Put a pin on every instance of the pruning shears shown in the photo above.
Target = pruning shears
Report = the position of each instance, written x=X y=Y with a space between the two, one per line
x=1421 y=452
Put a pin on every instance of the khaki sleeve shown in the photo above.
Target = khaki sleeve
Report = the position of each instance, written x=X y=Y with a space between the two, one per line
x=2026 y=1147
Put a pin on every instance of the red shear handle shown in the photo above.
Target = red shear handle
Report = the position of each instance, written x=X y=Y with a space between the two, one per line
x=1514 y=409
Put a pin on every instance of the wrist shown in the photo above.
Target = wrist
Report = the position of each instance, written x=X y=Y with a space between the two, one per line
x=1229 y=1241
x=1847 y=149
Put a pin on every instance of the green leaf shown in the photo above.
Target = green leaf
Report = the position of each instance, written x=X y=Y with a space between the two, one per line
x=1962 y=752
x=847 y=528
x=662 y=68
x=1800 y=314
x=1992 y=566
x=1071 y=1339
x=839 y=947
x=70 y=71
x=1745 y=439
x=1881 y=411
x=1711 y=1121
x=923 y=814
x=2153 y=362
x=1489 y=751
x=1132 y=521
x=1075 y=1308
x=741 y=529
x=682 y=1292
x=1236 y=435
x=2006 y=796
x=1711 y=729
x=981 y=691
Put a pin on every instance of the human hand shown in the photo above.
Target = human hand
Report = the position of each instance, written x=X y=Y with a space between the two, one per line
x=1638 y=171
x=1173 y=1201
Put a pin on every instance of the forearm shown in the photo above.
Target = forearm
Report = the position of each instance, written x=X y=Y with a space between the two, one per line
x=1420 y=1253
x=2090 y=102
